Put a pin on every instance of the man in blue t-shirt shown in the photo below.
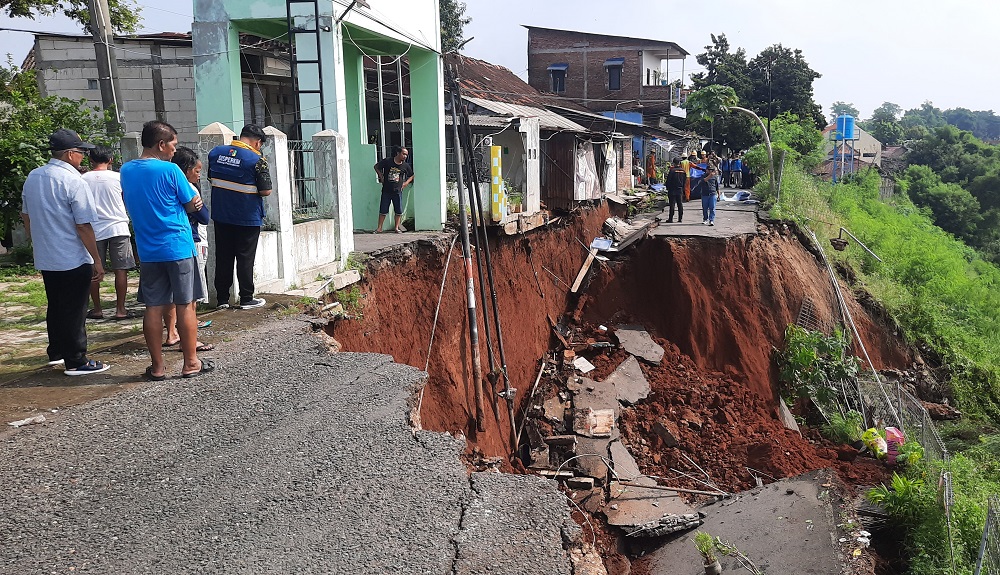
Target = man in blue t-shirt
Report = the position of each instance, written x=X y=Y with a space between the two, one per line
x=240 y=179
x=158 y=198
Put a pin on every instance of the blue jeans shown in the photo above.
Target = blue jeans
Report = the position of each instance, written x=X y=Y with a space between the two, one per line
x=708 y=204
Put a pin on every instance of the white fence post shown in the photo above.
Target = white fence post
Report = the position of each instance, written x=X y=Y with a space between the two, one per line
x=278 y=206
x=333 y=189
x=216 y=134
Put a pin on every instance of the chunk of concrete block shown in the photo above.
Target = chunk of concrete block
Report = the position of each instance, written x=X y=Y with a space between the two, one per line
x=590 y=422
x=596 y=395
x=787 y=418
x=344 y=279
x=639 y=343
x=580 y=483
x=591 y=454
x=624 y=464
x=568 y=441
x=630 y=384
x=555 y=409
x=642 y=510
x=667 y=431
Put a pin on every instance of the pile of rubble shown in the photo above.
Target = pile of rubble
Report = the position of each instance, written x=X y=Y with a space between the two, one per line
x=573 y=436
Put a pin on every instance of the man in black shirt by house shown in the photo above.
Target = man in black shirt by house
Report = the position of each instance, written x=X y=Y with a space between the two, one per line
x=394 y=174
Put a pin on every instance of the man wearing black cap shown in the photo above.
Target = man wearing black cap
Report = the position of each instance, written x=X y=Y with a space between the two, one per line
x=57 y=210
x=240 y=179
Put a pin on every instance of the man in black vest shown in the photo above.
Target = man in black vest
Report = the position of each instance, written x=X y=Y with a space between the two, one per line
x=240 y=179
x=394 y=174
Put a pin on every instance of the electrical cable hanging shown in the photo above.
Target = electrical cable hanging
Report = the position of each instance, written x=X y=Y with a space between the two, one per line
x=470 y=290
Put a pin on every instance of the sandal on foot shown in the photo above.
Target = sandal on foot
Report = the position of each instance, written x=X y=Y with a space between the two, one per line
x=207 y=365
x=204 y=324
x=148 y=375
x=95 y=315
x=205 y=347
x=168 y=344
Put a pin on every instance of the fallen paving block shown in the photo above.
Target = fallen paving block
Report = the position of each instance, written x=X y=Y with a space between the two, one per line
x=667 y=431
x=639 y=343
x=787 y=418
x=591 y=454
x=630 y=384
x=624 y=464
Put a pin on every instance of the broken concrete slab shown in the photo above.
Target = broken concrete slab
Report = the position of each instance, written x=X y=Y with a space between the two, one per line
x=787 y=418
x=555 y=409
x=630 y=384
x=648 y=512
x=624 y=464
x=596 y=395
x=588 y=464
x=567 y=441
x=593 y=422
x=785 y=527
x=639 y=343
x=667 y=431
x=580 y=483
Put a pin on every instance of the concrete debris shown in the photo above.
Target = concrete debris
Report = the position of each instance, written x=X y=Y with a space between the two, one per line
x=586 y=561
x=28 y=421
x=568 y=441
x=647 y=512
x=638 y=342
x=590 y=422
x=580 y=483
x=553 y=474
x=539 y=457
x=624 y=464
x=667 y=431
x=596 y=395
x=594 y=452
x=583 y=365
x=630 y=384
x=787 y=418
x=554 y=409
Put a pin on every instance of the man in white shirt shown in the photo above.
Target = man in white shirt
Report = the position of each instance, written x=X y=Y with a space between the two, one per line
x=57 y=210
x=110 y=229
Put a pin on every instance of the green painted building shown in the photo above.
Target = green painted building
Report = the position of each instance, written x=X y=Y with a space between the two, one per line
x=331 y=39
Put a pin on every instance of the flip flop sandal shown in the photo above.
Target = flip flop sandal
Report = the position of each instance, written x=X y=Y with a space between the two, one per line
x=205 y=347
x=128 y=315
x=207 y=365
x=204 y=324
x=92 y=315
x=165 y=344
x=148 y=375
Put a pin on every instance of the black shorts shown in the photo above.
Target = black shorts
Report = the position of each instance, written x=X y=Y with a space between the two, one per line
x=396 y=198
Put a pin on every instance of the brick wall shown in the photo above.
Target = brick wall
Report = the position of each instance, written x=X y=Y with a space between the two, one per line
x=624 y=175
x=587 y=77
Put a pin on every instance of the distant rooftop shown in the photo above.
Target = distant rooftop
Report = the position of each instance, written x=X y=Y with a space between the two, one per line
x=642 y=41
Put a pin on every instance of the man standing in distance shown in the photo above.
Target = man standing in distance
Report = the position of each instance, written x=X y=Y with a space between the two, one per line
x=394 y=174
x=110 y=229
x=57 y=211
x=158 y=198
x=240 y=179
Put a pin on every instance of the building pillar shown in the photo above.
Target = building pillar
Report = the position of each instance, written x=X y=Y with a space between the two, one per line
x=427 y=111
x=131 y=146
x=334 y=186
x=278 y=205
x=364 y=185
x=218 y=80
x=215 y=134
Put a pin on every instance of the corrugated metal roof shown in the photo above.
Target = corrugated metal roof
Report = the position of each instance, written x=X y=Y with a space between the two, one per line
x=547 y=119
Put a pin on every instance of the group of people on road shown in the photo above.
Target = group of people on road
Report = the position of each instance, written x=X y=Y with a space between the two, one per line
x=77 y=223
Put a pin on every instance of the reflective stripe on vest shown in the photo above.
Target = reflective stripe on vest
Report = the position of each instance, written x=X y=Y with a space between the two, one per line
x=227 y=185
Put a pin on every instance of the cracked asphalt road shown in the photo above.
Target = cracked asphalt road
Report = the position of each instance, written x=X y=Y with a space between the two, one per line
x=286 y=458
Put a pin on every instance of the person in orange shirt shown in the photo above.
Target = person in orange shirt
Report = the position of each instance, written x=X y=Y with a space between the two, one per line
x=651 y=168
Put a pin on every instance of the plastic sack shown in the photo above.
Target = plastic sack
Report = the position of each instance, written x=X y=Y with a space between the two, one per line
x=875 y=442
x=894 y=438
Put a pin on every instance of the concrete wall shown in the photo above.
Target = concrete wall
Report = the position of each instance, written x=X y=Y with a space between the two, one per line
x=66 y=66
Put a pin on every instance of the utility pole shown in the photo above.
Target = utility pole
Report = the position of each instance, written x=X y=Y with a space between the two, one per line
x=107 y=62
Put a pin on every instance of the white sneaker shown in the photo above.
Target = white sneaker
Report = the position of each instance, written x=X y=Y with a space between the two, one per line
x=711 y=223
x=88 y=368
x=58 y=362
x=705 y=222
x=254 y=303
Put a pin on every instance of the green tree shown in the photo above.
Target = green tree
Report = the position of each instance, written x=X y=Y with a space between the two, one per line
x=843 y=108
x=125 y=14
x=782 y=77
x=884 y=124
x=952 y=208
x=26 y=121
x=927 y=115
x=453 y=21
x=725 y=67
x=887 y=112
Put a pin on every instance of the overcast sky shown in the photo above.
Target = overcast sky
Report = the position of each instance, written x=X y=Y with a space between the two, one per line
x=868 y=51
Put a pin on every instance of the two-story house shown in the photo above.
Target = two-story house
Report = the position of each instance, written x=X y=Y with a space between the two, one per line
x=606 y=73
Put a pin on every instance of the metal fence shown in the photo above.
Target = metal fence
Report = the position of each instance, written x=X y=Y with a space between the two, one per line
x=305 y=185
x=989 y=549
x=809 y=319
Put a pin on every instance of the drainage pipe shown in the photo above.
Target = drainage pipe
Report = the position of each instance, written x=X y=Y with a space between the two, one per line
x=470 y=288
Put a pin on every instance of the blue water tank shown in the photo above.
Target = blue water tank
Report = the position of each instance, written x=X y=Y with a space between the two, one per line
x=845 y=127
